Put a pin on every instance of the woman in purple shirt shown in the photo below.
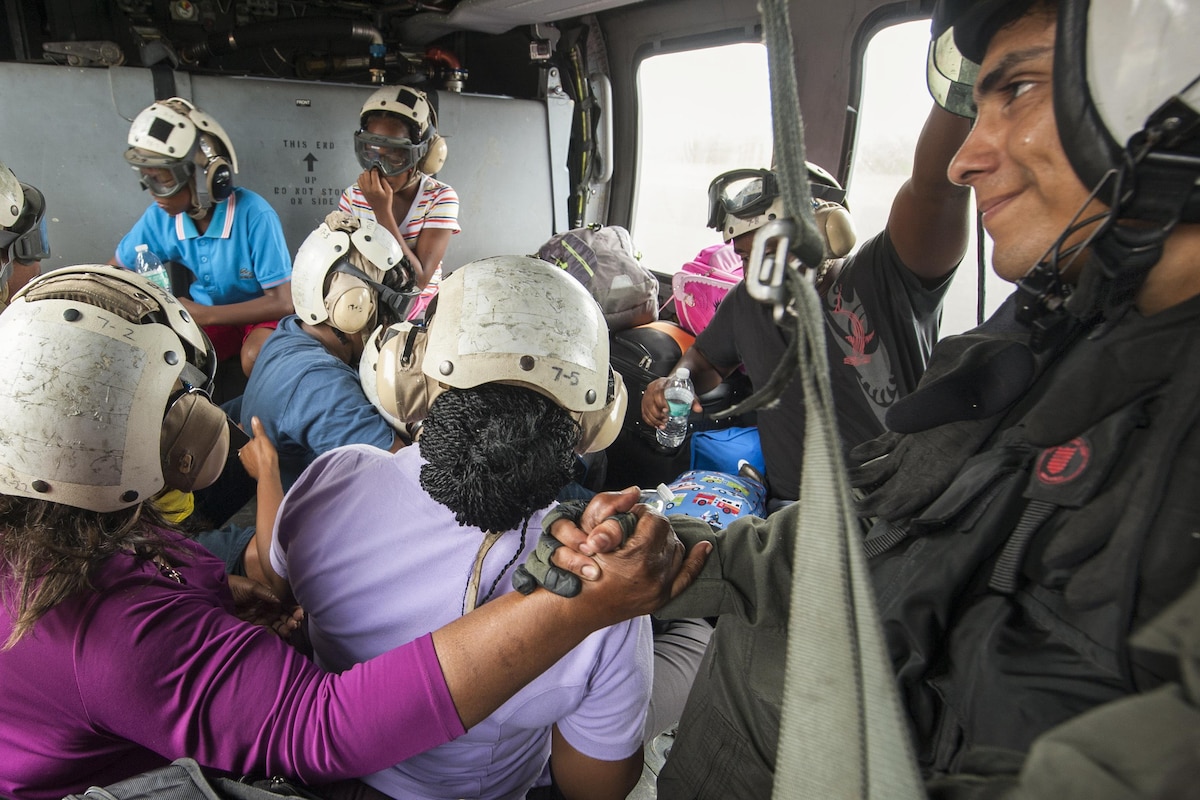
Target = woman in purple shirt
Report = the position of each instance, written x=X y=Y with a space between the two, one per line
x=122 y=648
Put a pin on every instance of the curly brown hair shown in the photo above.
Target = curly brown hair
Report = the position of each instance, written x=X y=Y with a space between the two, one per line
x=51 y=551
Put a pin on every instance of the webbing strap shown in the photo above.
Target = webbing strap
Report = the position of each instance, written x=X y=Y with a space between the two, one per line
x=164 y=81
x=841 y=730
x=1008 y=567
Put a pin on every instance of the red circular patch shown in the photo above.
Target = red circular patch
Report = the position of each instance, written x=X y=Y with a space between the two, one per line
x=1065 y=462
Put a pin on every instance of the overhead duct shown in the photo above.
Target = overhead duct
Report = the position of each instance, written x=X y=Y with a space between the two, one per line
x=271 y=34
x=497 y=16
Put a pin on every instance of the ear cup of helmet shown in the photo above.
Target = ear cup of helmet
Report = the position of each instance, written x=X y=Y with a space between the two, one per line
x=350 y=303
x=404 y=391
x=220 y=179
x=837 y=226
x=194 y=442
x=435 y=156
x=599 y=428
x=216 y=170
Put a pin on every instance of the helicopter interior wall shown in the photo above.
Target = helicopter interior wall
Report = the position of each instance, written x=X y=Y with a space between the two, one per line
x=294 y=147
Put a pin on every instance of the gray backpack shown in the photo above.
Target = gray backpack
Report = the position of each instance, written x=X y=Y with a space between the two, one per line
x=605 y=261
x=183 y=779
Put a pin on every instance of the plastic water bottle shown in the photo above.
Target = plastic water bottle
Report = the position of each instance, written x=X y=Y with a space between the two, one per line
x=679 y=394
x=658 y=499
x=150 y=266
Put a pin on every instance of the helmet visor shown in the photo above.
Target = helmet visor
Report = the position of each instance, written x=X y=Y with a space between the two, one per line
x=950 y=76
x=166 y=181
x=740 y=193
x=389 y=155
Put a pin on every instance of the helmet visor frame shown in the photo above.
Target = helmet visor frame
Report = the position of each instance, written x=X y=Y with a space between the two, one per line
x=950 y=76
x=740 y=193
x=180 y=175
x=390 y=155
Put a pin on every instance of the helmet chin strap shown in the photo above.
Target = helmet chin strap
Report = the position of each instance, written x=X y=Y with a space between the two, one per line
x=196 y=211
x=1121 y=253
x=414 y=176
x=398 y=300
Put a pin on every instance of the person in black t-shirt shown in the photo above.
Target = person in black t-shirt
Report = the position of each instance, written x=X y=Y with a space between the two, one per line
x=882 y=304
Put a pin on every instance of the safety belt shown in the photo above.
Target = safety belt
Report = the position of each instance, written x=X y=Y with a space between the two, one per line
x=841 y=733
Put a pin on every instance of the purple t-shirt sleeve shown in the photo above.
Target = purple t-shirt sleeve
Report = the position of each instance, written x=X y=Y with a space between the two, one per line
x=164 y=667
x=607 y=725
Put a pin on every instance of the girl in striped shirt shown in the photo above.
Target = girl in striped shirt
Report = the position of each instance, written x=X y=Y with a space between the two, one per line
x=399 y=148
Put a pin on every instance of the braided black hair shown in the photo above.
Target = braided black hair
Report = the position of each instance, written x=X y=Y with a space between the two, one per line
x=496 y=453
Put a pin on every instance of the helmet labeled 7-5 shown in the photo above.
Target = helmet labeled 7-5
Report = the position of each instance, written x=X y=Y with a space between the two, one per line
x=513 y=320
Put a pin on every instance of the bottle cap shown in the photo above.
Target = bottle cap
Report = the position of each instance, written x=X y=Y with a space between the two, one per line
x=683 y=372
x=141 y=248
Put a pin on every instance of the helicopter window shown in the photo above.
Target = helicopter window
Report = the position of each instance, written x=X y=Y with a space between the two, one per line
x=701 y=112
x=893 y=108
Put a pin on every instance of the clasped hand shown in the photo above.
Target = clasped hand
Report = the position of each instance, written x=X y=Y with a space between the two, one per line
x=614 y=537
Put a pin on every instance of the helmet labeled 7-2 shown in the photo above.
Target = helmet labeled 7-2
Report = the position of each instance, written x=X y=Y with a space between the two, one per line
x=104 y=392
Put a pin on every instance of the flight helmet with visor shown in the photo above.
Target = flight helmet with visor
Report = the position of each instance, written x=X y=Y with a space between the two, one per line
x=422 y=149
x=1127 y=98
x=177 y=138
x=743 y=200
x=22 y=221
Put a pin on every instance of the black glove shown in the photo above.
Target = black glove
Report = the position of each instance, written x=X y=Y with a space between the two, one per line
x=539 y=569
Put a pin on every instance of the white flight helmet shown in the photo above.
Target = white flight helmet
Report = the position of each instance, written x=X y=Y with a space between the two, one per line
x=339 y=270
x=1126 y=75
x=507 y=319
x=103 y=392
x=390 y=155
x=12 y=199
x=743 y=200
x=176 y=136
x=1127 y=105
x=22 y=225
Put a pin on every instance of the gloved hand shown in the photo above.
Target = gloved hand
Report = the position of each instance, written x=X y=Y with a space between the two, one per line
x=539 y=569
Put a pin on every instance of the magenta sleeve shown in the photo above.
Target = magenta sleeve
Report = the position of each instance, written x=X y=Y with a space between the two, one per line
x=162 y=666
